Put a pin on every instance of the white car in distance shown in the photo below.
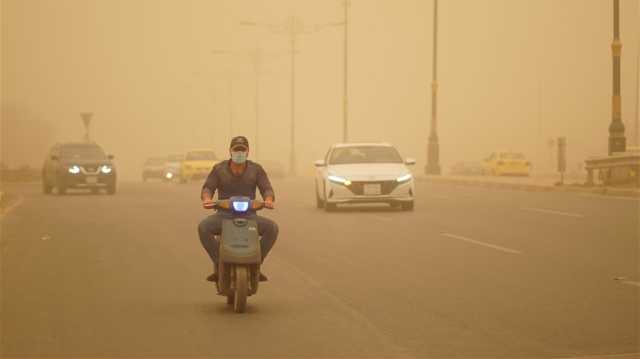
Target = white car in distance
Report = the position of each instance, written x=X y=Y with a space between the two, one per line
x=364 y=173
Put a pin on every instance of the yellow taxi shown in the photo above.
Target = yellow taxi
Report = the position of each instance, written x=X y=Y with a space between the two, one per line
x=506 y=163
x=197 y=164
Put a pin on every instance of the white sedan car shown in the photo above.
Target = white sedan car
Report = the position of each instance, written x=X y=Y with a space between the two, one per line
x=364 y=173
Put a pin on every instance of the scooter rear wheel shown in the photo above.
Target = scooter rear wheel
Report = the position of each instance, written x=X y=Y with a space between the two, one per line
x=241 y=289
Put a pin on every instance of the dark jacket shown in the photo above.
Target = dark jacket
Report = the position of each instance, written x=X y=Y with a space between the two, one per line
x=222 y=180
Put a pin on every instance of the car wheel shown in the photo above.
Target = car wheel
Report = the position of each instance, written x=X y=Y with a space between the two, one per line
x=408 y=206
x=95 y=190
x=319 y=201
x=111 y=189
x=62 y=190
x=330 y=207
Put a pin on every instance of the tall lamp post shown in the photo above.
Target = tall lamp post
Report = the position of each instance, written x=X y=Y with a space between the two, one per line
x=293 y=28
x=345 y=100
x=433 y=149
x=617 y=139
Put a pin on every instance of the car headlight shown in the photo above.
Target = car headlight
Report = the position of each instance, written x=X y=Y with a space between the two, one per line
x=169 y=175
x=340 y=180
x=404 y=178
x=106 y=169
x=74 y=169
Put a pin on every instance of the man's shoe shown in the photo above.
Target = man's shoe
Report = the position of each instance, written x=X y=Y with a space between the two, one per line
x=263 y=278
x=213 y=277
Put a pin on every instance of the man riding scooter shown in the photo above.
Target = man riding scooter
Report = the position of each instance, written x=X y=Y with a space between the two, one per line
x=236 y=177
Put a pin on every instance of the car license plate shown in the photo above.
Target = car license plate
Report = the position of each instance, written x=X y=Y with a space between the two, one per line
x=372 y=189
x=91 y=180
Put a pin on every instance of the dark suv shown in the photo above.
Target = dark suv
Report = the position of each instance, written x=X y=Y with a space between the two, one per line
x=78 y=165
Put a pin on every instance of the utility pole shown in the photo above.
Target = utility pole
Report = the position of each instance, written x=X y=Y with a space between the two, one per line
x=293 y=28
x=292 y=134
x=433 y=149
x=257 y=58
x=617 y=139
x=345 y=100
x=257 y=61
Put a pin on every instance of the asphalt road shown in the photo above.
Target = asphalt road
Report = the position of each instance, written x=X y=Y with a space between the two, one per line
x=471 y=272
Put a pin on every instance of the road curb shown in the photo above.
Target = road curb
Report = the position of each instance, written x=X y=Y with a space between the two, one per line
x=601 y=190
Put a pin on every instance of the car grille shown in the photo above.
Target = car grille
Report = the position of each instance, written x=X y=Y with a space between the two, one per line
x=386 y=187
x=90 y=168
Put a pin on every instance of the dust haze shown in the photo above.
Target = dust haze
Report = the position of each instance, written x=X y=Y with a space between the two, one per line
x=165 y=76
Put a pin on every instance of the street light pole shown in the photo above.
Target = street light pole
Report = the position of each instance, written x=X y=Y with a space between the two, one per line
x=433 y=149
x=257 y=59
x=294 y=28
x=617 y=139
x=345 y=103
x=292 y=127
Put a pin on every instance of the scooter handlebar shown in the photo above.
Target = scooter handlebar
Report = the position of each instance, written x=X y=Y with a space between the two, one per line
x=225 y=204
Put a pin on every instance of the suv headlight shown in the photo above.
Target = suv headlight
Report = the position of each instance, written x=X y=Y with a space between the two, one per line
x=338 y=179
x=74 y=169
x=106 y=169
x=404 y=178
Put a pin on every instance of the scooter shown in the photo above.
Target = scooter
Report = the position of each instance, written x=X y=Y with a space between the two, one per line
x=240 y=254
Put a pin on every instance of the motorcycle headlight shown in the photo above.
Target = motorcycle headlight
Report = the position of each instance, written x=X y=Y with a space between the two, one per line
x=240 y=206
x=74 y=169
x=106 y=169
x=340 y=180
x=404 y=178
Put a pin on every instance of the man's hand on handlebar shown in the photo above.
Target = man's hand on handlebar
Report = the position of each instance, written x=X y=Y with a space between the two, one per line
x=208 y=203
x=268 y=203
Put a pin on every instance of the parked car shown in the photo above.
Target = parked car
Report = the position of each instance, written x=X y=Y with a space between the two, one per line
x=364 y=173
x=173 y=167
x=466 y=168
x=78 y=166
x=506 y=163
x=197 y=164
x=153 y=168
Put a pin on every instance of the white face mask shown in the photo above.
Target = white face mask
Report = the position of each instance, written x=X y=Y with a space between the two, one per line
x=239 y=157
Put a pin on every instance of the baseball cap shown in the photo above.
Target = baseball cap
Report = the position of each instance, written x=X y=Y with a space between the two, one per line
x=239 y=141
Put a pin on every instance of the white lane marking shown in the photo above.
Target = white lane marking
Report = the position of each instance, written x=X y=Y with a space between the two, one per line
x=609 y=356
x=630 y=282
x=488 y=245
x=601 y=196
x=551 y=211
x=623 y=280
x=13 y=206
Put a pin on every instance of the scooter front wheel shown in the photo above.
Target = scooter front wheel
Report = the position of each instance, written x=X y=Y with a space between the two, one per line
x=241 y=288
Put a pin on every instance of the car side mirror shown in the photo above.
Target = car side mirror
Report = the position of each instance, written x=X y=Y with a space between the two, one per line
x=320 y=163
x=54 y=158
x=410 y=161
x=110 y=157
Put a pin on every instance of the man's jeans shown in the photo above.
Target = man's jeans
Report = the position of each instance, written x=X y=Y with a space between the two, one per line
x=212 y=225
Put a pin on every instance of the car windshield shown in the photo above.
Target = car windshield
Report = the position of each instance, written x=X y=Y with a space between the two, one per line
x=82 y=152
x=512 y=156
x=201 y=156
x=364 y=154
